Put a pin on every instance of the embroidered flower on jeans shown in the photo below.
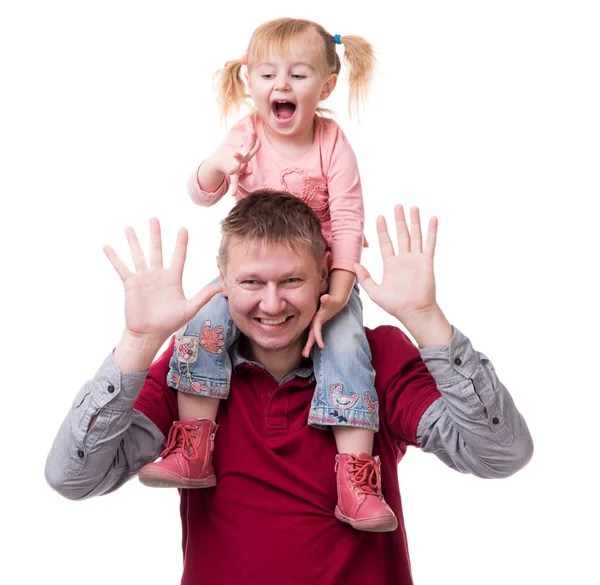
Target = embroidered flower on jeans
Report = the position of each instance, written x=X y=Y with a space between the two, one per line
x=212 y=339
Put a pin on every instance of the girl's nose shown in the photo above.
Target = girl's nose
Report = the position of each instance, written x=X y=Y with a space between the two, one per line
x=281 y=83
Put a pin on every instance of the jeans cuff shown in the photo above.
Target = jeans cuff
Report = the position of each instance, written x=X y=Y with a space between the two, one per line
x=325 y=418
x=198 y=386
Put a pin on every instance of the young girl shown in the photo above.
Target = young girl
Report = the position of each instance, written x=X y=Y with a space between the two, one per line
x=285 y=144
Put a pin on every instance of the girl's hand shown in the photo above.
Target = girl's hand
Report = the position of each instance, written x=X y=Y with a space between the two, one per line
x=230 y=160
x=331 y=305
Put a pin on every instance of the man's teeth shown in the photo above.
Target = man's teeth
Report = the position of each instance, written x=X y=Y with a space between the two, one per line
x=273 y=321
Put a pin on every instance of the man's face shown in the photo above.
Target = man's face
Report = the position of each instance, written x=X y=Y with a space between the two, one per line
x=273 y=293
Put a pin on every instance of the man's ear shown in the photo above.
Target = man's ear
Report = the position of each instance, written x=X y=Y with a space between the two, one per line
x=329 y=86
x=324 y=273
x=222 y=278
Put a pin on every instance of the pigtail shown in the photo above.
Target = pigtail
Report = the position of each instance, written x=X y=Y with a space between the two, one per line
x=230 y=88
x=359 y=58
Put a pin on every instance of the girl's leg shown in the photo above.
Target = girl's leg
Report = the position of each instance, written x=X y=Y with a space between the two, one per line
x=346 y=401
x=191 y=406
x=200 y=369
x=353 y=440
x=345 y=396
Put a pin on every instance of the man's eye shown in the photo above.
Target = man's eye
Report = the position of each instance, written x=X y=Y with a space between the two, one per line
x=292 y=280
x=250 y=282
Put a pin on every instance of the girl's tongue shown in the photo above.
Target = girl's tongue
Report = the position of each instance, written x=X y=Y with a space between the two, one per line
x=284 y=110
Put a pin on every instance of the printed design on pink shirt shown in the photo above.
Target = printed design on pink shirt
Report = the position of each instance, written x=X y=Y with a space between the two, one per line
x=211 y=340
x=372 y=406
x=340 y=400
x=316 y=196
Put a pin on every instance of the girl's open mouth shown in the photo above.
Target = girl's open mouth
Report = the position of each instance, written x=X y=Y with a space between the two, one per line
x=283 y=110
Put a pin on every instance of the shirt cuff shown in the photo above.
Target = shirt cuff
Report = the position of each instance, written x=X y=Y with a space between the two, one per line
x=449 y=362
x=112 y=386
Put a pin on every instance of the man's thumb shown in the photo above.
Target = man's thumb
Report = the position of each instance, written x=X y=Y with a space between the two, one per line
x=364 y=278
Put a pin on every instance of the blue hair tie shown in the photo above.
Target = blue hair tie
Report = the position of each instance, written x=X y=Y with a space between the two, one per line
x=337 y=39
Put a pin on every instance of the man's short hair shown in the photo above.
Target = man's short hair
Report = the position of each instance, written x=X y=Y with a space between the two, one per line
x=275 y=219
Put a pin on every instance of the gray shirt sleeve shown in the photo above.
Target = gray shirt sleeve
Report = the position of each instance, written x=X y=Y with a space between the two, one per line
x=84 y=461
x=475 y=426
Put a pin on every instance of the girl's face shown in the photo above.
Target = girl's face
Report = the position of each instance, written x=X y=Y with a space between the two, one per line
x=287 y=89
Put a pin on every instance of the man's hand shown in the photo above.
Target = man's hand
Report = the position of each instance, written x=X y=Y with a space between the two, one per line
x=155 y=305
x=407 y=290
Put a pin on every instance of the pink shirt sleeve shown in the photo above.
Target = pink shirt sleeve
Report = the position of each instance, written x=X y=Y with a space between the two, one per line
x=345 y=201
x=237 y=138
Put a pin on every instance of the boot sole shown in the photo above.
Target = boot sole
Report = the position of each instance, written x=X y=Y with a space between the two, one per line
x=164 y=479
x=377 y=524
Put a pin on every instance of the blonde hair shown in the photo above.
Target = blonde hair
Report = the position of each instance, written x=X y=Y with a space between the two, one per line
x=278 y=35
x=272 y=218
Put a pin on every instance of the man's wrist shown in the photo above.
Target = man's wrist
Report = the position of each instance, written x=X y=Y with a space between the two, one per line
x=428 y=328
x=136 y=353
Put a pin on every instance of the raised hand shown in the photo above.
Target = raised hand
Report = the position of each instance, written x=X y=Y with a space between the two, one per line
x=407 y=290
x=155 y=305
x=230 y=161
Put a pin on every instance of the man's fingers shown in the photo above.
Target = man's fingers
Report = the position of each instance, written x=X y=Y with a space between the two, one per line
x=117 y=263
x=385 y=243
x=401 y=230
x=416 y=239
x=155 y=243
x=364 y=279
x=200 y=299
x=139 y=261
x=180 y=251
x=431 y=236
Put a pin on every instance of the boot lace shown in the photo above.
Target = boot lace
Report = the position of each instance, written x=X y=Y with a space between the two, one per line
x=180 y=440
x=365 y=475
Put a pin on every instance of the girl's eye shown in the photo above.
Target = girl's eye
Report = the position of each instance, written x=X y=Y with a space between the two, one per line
x=296 y=76
x=267 y=76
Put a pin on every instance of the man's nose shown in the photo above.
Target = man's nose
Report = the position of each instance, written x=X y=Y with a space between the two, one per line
x=272 y=302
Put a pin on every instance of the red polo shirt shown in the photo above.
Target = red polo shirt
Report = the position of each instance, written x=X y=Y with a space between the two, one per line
x=270 y=521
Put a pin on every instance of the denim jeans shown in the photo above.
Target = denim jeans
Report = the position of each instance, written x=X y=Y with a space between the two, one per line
x=345 y=394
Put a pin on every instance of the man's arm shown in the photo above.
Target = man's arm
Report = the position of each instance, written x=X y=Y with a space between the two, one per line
x=104 y=440
x=474 y=426
x=112 y=430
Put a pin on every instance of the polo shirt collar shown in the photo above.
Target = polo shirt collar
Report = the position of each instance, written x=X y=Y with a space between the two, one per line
x=304 y=371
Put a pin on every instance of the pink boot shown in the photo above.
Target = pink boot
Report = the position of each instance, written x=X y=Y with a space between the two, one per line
x=360 y=501
x=187 y=459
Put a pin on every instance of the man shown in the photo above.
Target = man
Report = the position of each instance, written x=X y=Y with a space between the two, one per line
x=269 y=518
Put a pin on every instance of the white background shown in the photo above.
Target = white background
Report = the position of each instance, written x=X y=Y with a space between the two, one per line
x=485 y=114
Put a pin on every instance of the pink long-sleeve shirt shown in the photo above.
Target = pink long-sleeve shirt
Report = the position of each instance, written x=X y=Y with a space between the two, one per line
x=326 y=177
